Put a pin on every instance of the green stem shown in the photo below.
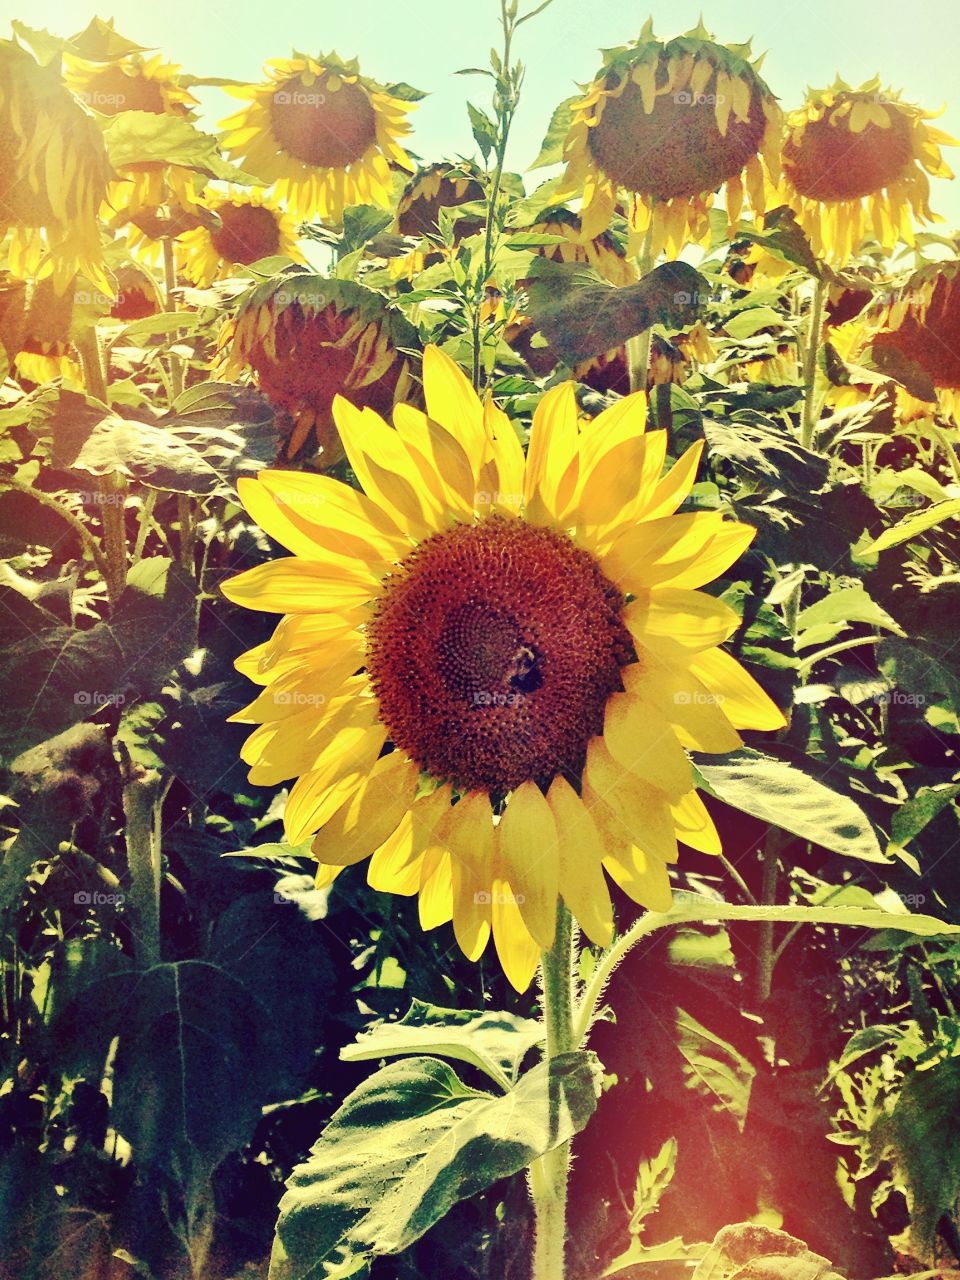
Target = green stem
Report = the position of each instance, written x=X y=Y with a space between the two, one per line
x=638 y=347
x=808 y=422
x=768 y=898
x=549 y=1174
x=142 y=800
x=91 y=362
x=169 y=285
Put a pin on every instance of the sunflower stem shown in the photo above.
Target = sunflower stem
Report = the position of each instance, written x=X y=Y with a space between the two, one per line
x=169 y=288
x=638 y=347
x=548 y=1175
x=808 y=420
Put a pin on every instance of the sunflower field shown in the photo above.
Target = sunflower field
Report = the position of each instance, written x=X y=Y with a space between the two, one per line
x=480 y=670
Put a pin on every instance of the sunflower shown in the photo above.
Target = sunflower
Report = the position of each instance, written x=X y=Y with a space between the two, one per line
x=132 y=83
x=53 y=174
x=44 y=351
x=670 y=361
x=252 y=225
x=309 y=339
x=438 y=186
x=490 y=666
x=603 y=252
x=921 y=324
x=855 y=166
x=138 y=294
x=324 y=134
x=670 y=124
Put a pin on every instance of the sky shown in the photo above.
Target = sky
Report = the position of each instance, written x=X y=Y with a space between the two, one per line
x=913 y=46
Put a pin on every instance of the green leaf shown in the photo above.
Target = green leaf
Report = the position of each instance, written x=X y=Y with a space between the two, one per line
x=411 y=1142
x=915 y=524
x=484 y=130
x=135 y=138
x=915 y=814
x=921 y=1136
x=747 y=1250
x=582 y=315
x=786 y=797
x=99 y=42
x=715 y=1070
x=496 y=1043
x=55 y=675
x=746 y=323
x=766 y=452
x=551 y=149
x=820 y=622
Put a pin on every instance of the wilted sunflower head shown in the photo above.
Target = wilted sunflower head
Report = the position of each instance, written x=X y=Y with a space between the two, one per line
x=855 y=166
x=35 y=327
x=603 y=251
x=249 y=225
x=130 y=83
x=920 y=324
x=324 y=134
x=439 y=186
x=138 y=294
x=309 y=339
x=490 y=665
x=53 y=173
x=671 y=123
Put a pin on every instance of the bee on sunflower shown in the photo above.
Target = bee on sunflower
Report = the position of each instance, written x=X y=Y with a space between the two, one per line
x=669 y=124
x=856 y=165
x=309 y=339
x=53 y=174
x=322 y=133
x=490 y=665
x=251 y=225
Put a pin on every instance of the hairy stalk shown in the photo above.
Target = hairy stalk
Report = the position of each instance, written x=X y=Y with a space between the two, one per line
x=768 y=898
x=638 y=347
x=808 y=420
x=169 y=286
x=548 y=1176
x=143 y=795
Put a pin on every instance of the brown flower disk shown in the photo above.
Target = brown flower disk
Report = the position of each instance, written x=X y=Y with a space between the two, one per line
x=247 y=233
x=111 y=91
x=676 y=150
x=493 y=651
x=322 y=127
x=826 y=161
x=933 y=341
x=418 y=215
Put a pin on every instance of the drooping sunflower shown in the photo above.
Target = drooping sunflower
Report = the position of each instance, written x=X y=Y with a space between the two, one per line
x=489 y=665
x=324 y=134
x=133 y=83
x=53 y=174
x=438 y=186
x=670 y=124
x=855 y=166
x=309 y=339
x=138 y=294
x=35 y=324
x=921 y=323
x=603 y=252
x=252 y=225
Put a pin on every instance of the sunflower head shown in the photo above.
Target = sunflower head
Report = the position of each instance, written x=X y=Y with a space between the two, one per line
x=671 y=123
x=921 y=324
x=248 y=225
x=130 y=83
x=138 y=294
x=439 y=186
x=324 y=134
x=43 y=349
x=489 y=666
x=53 y=224
x=309 y=339
x=856 y=165
x=603 y=252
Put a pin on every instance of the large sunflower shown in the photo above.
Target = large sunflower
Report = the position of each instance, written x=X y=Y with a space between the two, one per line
x=670 y=124
x=490 y=666
x=251 y=225
x=309 y=339
x=53 y=173
x=855 y=166
x=324 y=134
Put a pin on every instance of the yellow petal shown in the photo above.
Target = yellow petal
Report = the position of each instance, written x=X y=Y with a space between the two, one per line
x=283 y=749
x=671 y=490
x=292 y=585
x=468 y=834
x=744 y=702
x=641 y=740
x=646 y=881
x=452 y=401
x=353 y=750
x=688 y=618
x=693 y=711
x=693 y=824
x=629 y=808
x=518 y=952
x=370 y=814
x=435 y=903
x=582 y=884
x=527 y=852
x=553 y=440
x=397 y=865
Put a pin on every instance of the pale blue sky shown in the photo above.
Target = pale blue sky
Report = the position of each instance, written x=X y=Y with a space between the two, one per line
x=914 y=46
